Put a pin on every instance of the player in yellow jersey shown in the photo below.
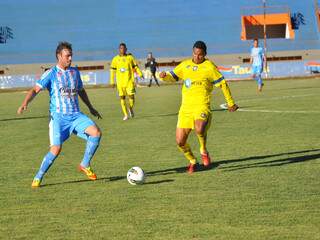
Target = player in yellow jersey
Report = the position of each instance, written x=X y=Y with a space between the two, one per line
x=122 y=69
x=199 y=75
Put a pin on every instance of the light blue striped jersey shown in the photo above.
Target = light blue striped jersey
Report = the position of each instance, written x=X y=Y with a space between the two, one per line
x=63 y=87
x=257 y=56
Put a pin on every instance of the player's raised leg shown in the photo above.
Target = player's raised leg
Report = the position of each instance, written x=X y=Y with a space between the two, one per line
x=86 y=128
x=181 y=139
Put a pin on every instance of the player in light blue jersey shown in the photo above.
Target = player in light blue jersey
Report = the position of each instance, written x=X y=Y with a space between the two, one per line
x=65 y=85
x=257 y=61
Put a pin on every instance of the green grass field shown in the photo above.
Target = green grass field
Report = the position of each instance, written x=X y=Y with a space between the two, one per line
x=265 y=183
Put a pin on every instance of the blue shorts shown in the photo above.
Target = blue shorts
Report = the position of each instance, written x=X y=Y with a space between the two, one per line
x=61 y=127
x=257 y=70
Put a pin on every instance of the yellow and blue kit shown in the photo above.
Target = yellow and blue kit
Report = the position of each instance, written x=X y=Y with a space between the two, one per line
x=198 y=81
x=123 y=68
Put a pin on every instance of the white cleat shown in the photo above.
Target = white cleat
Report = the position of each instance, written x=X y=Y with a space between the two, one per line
x=125 y=118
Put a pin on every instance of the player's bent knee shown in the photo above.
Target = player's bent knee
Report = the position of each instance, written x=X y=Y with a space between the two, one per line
x=95 y=132
x=55 y=149
x=180 y=142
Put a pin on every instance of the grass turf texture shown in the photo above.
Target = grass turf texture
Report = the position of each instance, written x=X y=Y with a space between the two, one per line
x=264 y=184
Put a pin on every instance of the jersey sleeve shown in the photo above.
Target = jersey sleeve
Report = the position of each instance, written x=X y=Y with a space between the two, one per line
x=135 y=66
x=79 y=80
x=45 y=80
x=176 y=74
x=251 y=52
x=216 y=77
x=219 y=81
x=262 y=53
x=113 y=69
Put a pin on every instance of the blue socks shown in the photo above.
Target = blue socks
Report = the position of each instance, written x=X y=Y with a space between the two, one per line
x=92 y=145
x=259 y=80
x=45 y=165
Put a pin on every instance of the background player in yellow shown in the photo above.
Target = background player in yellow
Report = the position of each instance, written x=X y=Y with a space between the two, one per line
x=122 y=69
x=198 y=75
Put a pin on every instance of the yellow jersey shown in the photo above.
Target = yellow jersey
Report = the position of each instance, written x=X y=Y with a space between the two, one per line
x=198 y=81
x=123 y=68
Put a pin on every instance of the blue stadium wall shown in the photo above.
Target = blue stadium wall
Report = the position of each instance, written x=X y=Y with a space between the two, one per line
x=166 y=27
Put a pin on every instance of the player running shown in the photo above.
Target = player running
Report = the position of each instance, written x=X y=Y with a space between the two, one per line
x=257 y=61
x=198 y=75
x=65 y=85
x=123 y=67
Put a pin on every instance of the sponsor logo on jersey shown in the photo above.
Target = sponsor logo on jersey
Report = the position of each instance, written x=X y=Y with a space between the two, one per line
x=187 y=83
x=68 y=92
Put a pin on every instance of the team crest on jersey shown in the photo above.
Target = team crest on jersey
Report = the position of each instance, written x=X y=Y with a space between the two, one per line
x=203 y=115
x=195 y=68
x=187 y=83
x=122 y=69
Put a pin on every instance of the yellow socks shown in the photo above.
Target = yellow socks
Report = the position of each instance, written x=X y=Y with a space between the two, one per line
x=124 y=107
x=188 y=153
x=131 y=102
x=202 y=143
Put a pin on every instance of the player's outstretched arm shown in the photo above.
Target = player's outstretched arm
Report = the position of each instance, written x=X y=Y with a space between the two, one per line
x=166 y=76
x=232 y=107
x=84 y=97
x=30 y=95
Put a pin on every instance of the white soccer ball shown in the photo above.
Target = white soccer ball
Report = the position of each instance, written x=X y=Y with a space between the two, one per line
x=135 y=176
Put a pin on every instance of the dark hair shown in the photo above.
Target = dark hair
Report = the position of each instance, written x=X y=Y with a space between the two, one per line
x=200 y=45
x=61 y=46
x=123 y=44
x=256 y=39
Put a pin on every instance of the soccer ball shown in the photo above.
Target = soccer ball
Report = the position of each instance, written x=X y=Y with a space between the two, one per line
x=135 y=176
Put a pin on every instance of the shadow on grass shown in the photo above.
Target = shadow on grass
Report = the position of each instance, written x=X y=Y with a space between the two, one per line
x=271 y=163
x=107 y=179
x=161 y=181
x=21 y=118
x=223 y=165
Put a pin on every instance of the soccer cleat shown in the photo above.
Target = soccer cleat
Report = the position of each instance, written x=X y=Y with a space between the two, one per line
x=89 y=172
x=131 y=113
x=192 y=168
x=125 y=118
x=206 y=160
x=36 y=183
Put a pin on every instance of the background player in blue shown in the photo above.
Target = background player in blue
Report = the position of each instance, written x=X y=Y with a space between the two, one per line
x=257 y=61
x=65 y=85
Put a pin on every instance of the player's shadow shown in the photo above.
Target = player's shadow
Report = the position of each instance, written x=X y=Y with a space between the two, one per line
x=283 y=159
x=21 y=118
x=200 y=168
x=243 y=163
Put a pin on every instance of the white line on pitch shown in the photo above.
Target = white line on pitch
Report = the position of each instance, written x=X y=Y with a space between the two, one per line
x=224 y=106
x=275 y=111
x=277 y=98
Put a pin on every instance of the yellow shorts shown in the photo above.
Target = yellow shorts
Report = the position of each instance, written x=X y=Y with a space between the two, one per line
x=126 y=90
x=187 y=117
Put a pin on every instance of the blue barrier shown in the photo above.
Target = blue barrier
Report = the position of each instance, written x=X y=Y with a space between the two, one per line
x=231 y=72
